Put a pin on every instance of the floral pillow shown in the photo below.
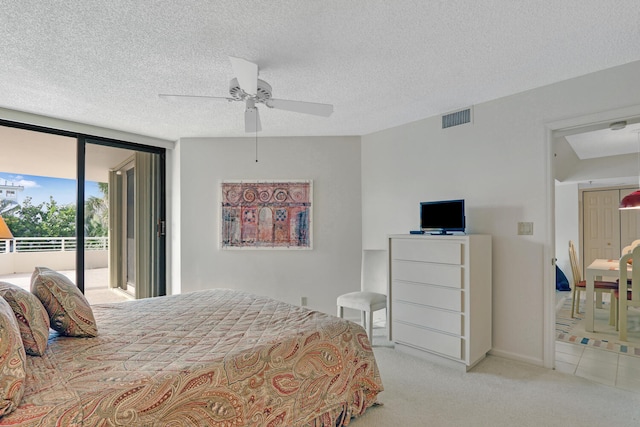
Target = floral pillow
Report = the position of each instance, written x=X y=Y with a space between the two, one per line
x=32 y=317
x=69 y=311
x=13 y=361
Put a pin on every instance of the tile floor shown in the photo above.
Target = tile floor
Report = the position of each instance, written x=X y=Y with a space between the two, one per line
x=602 y=366
x=606 y=367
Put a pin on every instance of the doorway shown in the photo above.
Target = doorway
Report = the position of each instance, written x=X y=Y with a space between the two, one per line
x=136 y=198
x=599 y=178
x=88 y=162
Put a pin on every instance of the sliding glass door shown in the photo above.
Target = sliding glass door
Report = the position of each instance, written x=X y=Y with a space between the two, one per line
x=99 y=202
x=136 y=198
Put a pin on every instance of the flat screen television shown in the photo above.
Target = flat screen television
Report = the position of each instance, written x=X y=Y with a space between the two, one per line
x=442 y=217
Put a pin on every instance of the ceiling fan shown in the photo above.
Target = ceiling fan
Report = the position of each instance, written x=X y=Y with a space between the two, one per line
x=248 y=88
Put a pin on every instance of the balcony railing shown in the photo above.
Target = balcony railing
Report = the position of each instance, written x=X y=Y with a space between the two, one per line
x=51 y=244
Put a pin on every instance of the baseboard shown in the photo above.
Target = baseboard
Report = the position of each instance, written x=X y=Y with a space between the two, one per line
x=441 y=360
x=517 y=357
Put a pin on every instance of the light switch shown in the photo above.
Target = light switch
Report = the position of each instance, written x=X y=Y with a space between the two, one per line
x=525 y=228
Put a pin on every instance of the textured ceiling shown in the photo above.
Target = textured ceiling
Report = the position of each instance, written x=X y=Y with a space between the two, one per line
x=606 y=142
x=380 y=63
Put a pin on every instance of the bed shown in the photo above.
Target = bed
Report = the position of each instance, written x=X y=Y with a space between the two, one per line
x=211 y=358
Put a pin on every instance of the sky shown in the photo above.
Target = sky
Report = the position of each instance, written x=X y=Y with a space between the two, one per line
x=40 y=188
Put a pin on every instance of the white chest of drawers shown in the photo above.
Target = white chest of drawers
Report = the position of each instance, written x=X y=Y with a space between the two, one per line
x=440 y=296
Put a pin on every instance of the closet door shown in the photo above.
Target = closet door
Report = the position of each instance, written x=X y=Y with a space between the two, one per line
x=601 y=225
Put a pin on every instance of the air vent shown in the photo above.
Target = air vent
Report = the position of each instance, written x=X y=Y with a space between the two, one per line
x=456 y=118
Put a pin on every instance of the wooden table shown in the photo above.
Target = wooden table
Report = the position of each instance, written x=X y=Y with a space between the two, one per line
x=595 y=270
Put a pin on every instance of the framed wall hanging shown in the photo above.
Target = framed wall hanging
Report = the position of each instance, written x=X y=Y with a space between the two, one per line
x=266 y=214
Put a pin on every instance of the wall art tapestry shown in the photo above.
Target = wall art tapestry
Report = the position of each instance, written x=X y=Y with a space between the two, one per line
x=266 y=215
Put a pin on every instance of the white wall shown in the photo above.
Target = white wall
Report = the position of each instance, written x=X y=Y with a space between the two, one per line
x=567 y=227
x=173 y=210
x=501 y=165
x=321 y=274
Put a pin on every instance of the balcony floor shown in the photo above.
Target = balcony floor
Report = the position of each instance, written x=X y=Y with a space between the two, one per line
x=95 y=285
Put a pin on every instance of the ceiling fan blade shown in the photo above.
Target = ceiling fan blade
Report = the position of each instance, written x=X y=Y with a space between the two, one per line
x=252 y=120
x=324 y=110
x=246 y=73
x=171 y=96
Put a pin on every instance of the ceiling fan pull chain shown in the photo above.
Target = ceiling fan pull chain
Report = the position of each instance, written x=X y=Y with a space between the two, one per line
x=256 y=144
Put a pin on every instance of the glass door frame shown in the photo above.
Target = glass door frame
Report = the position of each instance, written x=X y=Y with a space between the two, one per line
x=82 y=141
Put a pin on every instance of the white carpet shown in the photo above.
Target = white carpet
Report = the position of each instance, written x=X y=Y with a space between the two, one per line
x=497 y=392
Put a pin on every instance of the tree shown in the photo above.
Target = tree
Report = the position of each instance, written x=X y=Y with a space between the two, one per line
x=42 y=220
x=96 y=213
x=52 y=220
x=25 y=222
x=58 y=221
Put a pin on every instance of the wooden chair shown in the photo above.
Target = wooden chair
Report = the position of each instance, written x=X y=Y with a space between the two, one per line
x=598 y=285
x=626 y=250
x=632 y=297
x=373 y=289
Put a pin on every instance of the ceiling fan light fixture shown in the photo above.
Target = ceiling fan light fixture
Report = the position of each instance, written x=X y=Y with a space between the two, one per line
x=618 y=125
x=263 y=92
x=248 y=88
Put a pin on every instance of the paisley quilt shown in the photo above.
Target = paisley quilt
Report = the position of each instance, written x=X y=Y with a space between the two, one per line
x=209 y=358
